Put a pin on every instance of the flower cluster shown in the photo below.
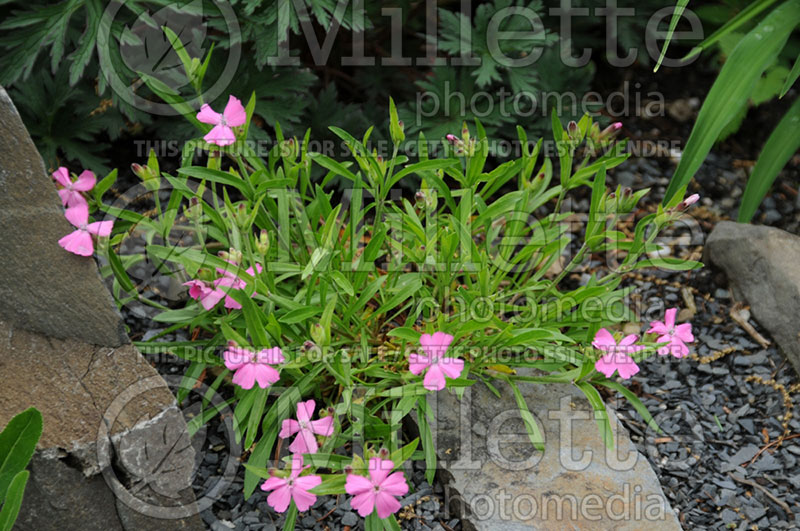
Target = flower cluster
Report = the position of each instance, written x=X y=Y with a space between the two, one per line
x=71 y=191
x=380 y=490
x=618 y=357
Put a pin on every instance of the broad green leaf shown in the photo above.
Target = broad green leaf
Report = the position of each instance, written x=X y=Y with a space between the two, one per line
x=13 y=500
x=17 y=444
x=732 y=88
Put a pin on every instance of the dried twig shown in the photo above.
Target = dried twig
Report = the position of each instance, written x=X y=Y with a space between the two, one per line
x=783 y=505
x=741 y=315
x=776 y=442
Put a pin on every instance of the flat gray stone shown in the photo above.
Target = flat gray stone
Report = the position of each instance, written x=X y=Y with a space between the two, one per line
x=114 y=452
x=502 y=483
x=763 y=267
x=44 y=288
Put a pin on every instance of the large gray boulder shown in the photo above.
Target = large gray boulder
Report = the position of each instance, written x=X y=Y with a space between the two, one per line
x=114 y=452
x=763 y=268
x=502 y=483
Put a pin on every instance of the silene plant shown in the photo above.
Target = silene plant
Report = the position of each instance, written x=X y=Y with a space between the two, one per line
x=334 y=302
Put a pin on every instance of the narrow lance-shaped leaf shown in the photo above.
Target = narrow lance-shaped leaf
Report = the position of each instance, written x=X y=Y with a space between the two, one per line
x=779 y=148
x=754 y=53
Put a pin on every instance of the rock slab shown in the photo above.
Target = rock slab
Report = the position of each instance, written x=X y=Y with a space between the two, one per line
x=39 y=280
x=114 y=453
x=763 y=267
x=503 y=483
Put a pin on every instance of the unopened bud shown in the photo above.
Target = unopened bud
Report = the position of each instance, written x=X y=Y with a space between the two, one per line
x=383 y=453
x=262 y=245
x=318 y=334
x=348 y=469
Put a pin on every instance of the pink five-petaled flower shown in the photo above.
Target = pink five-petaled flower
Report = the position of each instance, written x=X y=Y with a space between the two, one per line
x=230 y=280
x=296 y=488
x=221 y=134
x=434 y=346
x=200 y=291
x=71 y=192
x=251 y=367
x=377 y=491
x=80 y=241
x=617 y=357
x=676 y=336
x=306 y=429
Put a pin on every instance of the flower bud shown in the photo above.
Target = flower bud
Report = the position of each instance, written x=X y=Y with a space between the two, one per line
x=383 y=453
x=262 y=245
x=318 y=334
x=348 y=469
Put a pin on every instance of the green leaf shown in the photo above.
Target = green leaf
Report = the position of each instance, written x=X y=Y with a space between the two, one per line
x=673 y=264
x=600 y=413
x=409 y=334
x=423 y=413
x=791 y=78
x=17 y=444
x=119 y=272
x=673 y=23
x=531 y=426
x=13 y=500
x=781 y=145
x=299 y=315
x=199 y=172
x=634 y=401
x=341 y=281
x=732 y=88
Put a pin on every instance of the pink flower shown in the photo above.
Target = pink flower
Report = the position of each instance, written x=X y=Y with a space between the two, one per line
x=230 y=280
x=71 y=191
x=434 y=346
x=378 y=491
x=306 y=442
x=200 y=291
x=251 y=367
x=296 y=488
x=80 y=241
x=676 y=337
x=618 y=355
x=221 y=134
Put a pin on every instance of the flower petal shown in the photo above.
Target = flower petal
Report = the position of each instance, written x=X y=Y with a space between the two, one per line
x=302 y=498
x=603 y=340
x=221 y=135
x=386 y=504
x=435 y=345
x=434 y=378
x=304 y=443
x=323 y=426
x=669 y=318
x=364 y=502
x=452 y=367
x=379 y=469
x=288 y=428
x=78 y=215
x=280 y=499
x=418 y=363
x=207 y=115
x=101 y=228
x=245 y=376
x=657 y=327
x=356 y=484
x=235 y=357
x=85 y=181
x=272 y=356
x=395 y=484
x=78 y=242
x=684 y=332
x=235 y=115
x=265 y=375
x=305 y=410
x=61 y=175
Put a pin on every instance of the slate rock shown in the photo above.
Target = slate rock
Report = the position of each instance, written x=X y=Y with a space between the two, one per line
x=763 y=267
x=44 y=288
x=500 y=482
